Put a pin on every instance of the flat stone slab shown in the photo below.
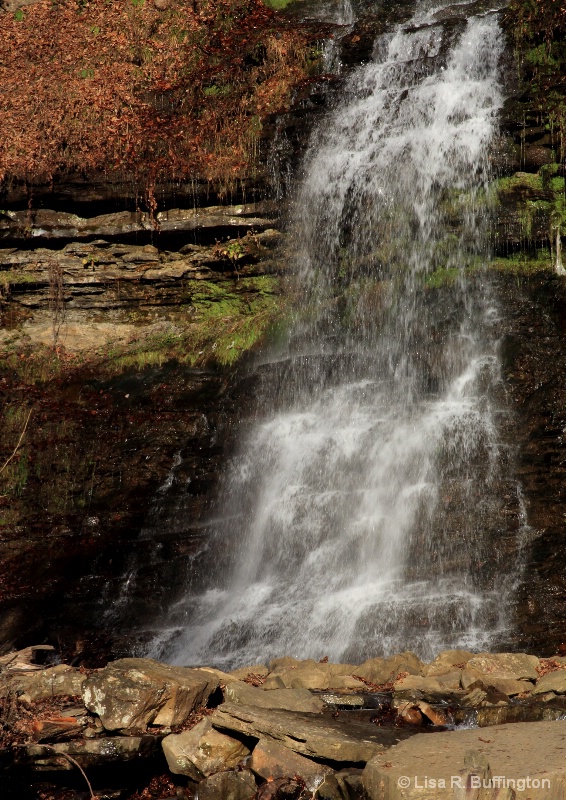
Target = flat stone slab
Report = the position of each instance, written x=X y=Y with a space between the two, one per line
x=552 y=682
x=48 y=224
x=311 y=735
x=285 y=699
x=87 y=752
x=517 y=757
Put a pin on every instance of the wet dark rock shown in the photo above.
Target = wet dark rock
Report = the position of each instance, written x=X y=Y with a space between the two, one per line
x=534 y=362
x=87 y=752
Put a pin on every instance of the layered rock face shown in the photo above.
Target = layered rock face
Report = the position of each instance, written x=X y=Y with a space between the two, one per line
x=118 y=368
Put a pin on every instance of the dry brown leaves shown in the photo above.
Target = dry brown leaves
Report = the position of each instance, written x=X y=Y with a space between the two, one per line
x=96 y=85
x=19 y=719
x=254 y=680
x=549 y=665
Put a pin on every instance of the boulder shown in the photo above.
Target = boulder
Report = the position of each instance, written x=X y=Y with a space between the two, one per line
x=278 y=664
x=272 y=760
x=304 y=676
x=202 y=751
x=449 y=680
x=418 y=683
x=385 y=670
x=131 y=693
x=345 y=682
x=286 y=699
x=509 y=758
x=273 y=682
x=470 y=677
x=281 y=789
x=552 y=682
x=434 y=714
x=228 y=786
x=510 y=687
x=517 y=666
x=517 y=712
x=350 y=782
x=52 y=682
x=223 y=677
x=340 y=669
x=446 y=661
x=308 y=734
x=484 y=696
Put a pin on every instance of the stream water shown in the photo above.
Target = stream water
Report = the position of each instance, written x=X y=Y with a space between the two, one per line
x=362 y=510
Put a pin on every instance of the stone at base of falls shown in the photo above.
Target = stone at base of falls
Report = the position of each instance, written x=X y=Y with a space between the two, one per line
x=385 y=670
x=510 y=686
x=308 y=734
x=86 y=752
x=51 y=682
x=426 y=685
x=447 y=661
x=285 y=699
x=442 y=765
x=202 y=751
x=272 y=760
x=517 y=666
x=131 y=693
x=224 y=678
x=258 y=670
x=290 y=673
x=228 y=786
x=552 y=682
x=304 y=676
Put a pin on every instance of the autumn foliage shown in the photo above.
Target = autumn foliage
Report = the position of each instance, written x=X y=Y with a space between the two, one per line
x=124 y=87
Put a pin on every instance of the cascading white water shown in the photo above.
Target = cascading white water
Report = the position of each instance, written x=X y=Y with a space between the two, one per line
x=363 y=507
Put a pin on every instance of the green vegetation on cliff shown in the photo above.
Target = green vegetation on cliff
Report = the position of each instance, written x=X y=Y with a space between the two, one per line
x=538 y=30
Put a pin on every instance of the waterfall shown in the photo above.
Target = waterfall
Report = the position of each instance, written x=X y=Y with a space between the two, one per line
x=363 y=508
